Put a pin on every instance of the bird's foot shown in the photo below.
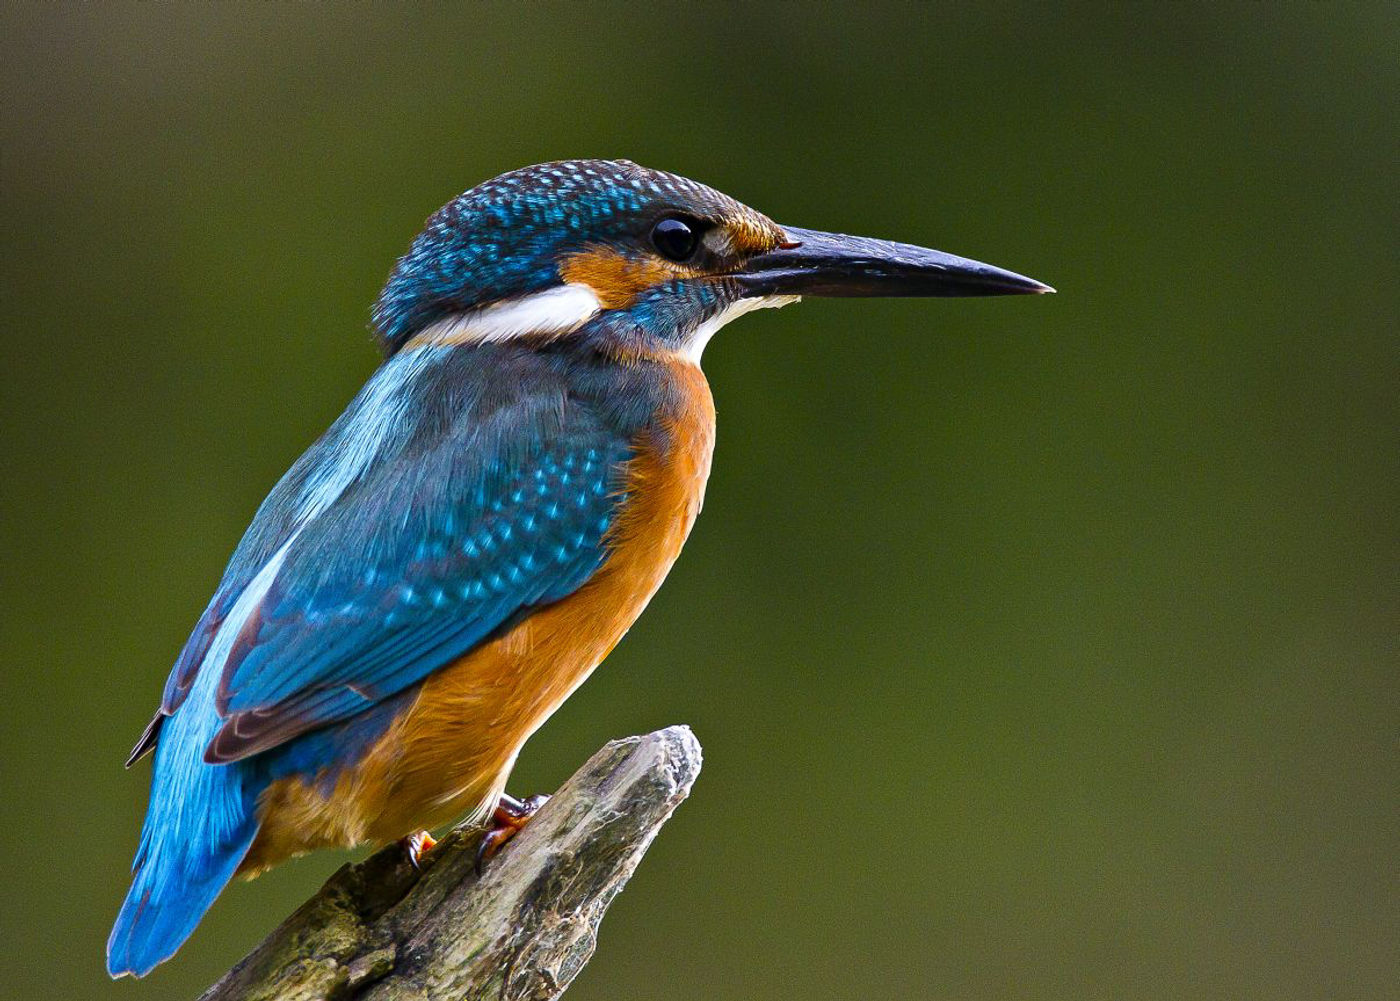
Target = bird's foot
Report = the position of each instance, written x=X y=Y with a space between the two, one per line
x=507 y=820
x=415 y=846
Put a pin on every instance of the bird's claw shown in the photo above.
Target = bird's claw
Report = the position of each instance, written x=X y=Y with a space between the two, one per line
x=507 y=820
x=415 y=846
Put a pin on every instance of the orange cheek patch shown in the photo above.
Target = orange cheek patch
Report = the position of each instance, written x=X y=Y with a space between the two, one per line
x=617 y=280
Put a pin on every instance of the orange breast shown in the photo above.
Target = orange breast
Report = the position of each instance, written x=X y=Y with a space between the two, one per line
x=453 y=750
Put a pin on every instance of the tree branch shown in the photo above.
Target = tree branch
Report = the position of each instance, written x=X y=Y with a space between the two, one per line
x=380 y=931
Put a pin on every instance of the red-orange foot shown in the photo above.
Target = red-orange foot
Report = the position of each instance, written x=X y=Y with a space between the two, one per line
x=415 y=846
x=510 y=817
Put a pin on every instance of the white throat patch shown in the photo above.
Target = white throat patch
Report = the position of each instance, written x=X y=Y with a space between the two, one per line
x=694 y=345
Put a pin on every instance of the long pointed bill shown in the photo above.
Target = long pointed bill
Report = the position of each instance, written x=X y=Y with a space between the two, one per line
x=830 y=264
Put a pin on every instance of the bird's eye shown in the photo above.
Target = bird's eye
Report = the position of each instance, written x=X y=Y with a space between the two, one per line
x=676 y=239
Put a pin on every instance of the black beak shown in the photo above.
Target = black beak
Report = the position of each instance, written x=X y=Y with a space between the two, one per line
x=830 y=264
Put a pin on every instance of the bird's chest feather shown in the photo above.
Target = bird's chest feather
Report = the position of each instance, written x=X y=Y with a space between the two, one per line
x=451 y=751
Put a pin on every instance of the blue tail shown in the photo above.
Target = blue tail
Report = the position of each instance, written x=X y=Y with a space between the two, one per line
x=164 y=905
x=199 y=825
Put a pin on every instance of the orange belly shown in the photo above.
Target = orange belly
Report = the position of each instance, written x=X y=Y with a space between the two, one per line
x=451 y=752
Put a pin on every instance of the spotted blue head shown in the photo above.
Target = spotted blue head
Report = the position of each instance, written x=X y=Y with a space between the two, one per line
x=640 y=262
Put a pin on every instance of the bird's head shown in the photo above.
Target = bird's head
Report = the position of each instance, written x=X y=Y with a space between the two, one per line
x=640 y=262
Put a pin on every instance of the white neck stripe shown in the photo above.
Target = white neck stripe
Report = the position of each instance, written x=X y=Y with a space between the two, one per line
x=554 y=311
x=560 y=310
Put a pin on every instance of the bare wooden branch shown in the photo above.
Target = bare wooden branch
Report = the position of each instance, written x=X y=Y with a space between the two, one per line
x=380 y=931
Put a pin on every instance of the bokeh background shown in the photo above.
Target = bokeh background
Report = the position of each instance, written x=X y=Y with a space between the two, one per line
x=1041 y=648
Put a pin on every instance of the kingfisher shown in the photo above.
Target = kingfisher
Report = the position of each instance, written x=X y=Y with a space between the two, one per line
x=479 y=528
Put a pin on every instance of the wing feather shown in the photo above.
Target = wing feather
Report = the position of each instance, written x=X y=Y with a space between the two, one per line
x=423 y=588
x=458 y=492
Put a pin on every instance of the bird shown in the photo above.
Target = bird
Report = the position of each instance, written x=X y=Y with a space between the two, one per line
x=477 y=530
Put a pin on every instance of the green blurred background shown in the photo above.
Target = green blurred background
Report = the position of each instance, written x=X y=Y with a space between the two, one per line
x=1041 y=648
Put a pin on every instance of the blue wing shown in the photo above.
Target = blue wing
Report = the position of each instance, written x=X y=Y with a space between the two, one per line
x=472 y=494
x=410 y=572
